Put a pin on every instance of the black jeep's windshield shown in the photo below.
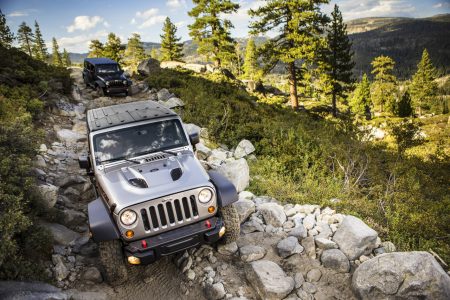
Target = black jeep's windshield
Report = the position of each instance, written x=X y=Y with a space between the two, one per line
x=138 y=140
x=108 y=69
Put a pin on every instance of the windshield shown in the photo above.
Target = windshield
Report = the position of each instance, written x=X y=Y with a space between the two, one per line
x=109 y=68
x=138 y=140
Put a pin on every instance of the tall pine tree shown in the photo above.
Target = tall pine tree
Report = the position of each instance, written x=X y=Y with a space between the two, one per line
x=211 y=32
x=251 y=60
x=6 y=36
x=56 y=56
x=424 y=87
x=113 y=48
x=384 y=87
x=96 y=49
x=361 y=102
x=337 y=61
x=300 y=26
x=66 y=59
x=134 y=53
x=171 y=49
x=26 y=38
x=39 y=48
x=154 y=53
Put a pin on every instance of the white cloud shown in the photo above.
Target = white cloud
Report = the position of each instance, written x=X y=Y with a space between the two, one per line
x=173 y=4
x=149 y=18
x=133 y=21
x=80 y=43
x=442 y=5
x=374 y=8
x=106 y=24
x=84 y=23
x=180 y=24
x=18 y=13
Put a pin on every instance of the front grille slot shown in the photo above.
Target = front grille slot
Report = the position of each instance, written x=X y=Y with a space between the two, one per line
x=162 y=215
x=145 y=219
x=178 y=210
x=153 y=217
x=187 y=211
x=193 y=205
x=170 y=213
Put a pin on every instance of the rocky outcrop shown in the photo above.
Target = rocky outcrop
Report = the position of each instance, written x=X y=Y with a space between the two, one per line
x=237 y=171
x=148 y=66
x=401 y=275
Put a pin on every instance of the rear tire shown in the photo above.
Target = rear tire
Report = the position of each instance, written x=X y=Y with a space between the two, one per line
x=112 y=259
x=230 y=218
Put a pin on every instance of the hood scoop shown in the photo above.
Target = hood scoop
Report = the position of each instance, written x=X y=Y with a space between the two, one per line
x=176 y=173
x=134 y=177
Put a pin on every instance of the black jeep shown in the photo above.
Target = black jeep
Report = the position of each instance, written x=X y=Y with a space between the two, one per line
x=106 y=76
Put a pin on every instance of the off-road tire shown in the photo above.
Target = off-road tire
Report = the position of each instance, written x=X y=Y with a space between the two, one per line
x=129 y=92
x=100 y=91
x=113 y=261
x=230 y=218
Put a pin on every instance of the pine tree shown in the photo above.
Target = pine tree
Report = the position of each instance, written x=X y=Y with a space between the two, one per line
x=300 y=27
x=251 y=60
x=210 y=32
x=171 y=49
x=337 y=61
x=404 y=107
x=57 y=60
x=360 y=103
x=6 y=36
x=39 y=48
x=134 y=53
x=154 y=53
x=25 y=37
x=66 y=59
x=424 y=87
x=385 y=85
x=96 y=49
x=113 y=48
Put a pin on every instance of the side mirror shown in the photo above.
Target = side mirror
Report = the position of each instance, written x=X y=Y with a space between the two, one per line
x=194 y=138
x=84 y=163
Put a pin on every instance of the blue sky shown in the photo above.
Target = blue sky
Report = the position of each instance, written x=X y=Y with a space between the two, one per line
x=75 y=23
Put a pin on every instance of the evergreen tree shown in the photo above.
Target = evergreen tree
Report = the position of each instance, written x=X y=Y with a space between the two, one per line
x=66 y=59
x=238 y=59
x=171 y=49
x=96 y=49
x=404 y=107
x=424 y=87
x=385 y=85
x=210 y=32
x=113 y=48
x=360 y=103
x=39 y=48
x=300 y=27
x=154 y=54
x=6 y=36
x=134 y=53
x=337 y=61
x=251 y=60
x=57 y=60
x=25 y=37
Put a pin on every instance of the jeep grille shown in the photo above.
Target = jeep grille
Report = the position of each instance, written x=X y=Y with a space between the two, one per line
x=116 y=83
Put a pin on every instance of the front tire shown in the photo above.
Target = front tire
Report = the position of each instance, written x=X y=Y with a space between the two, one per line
x=100 y=91
x=112 y=259
x=230 y=218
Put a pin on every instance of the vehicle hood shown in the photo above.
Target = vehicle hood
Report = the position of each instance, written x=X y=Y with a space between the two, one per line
x=116 y=182
x=114 y=76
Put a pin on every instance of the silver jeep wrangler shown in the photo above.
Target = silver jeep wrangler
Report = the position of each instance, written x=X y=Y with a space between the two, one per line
x=154 y=198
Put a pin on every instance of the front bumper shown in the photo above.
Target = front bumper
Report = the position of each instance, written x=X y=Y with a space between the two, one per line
x=175 y=240
x=116 y=89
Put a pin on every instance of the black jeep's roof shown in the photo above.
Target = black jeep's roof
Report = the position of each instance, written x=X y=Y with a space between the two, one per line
x=109 y=116
x=100 y=61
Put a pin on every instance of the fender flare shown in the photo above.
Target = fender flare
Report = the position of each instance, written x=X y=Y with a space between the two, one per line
x=226 y=191
x=101 y=224
x=100 y=83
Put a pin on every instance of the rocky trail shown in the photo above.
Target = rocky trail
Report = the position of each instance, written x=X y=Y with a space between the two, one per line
x=284 y=251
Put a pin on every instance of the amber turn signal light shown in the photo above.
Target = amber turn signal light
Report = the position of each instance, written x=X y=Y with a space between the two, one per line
x=211 y=209
x=129 y=234
x=134 y=260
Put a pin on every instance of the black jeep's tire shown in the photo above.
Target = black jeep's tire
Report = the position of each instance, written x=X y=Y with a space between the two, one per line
x=230 y=218
x=113 y=261
x=100 y=91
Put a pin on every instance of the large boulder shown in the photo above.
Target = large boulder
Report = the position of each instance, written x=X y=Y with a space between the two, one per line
x=244 y=209
x=273 y=214
x=172 y=102
x=244 y=148
x=197 y=68
x=237 y=171
x=49 y=194
x=268 y=279
x=61 y=234
x=69 y=136
x=251 y=253
x=401 y=275
x=148 y=66
x=164 y=95
x=172 y=64
x=335 y=259
x=355 y=238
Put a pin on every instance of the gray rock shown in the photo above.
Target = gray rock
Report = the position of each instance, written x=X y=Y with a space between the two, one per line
x=303 y=295
x=251 y=226
x=73 y=217
x=309 y=287
x=246 y=195
x=65 y=181
x=61 y=234
x=164 y=95
x=401 y=275
x=273 y=214
x=215 y=291
x=309 y=222
x=289 y=246
x=40 y=161
x=19 y=290
x=69 y=136
x=60 y=269
x=217 y=156
x=202 y=151
x=299 y=232
x=251 y=253
x=173 y=102
x=190 y=275
x=244 y=148
x=192 y=128
x=299 y=280
x=335 y=259
x=244 y=208
x=313 y=275
x=388 y=247
x=325 y=244
x=171 y=64
x=197 y=68
x=355 y=238
x=227 y=249
x=310 y=246
x=92 y=274
x=268 y=279
x=148 y=66
x=49 y=194
x=238 y=172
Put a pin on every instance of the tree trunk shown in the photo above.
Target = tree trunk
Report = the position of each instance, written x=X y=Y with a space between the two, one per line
x=293 y=86
x=333 y=104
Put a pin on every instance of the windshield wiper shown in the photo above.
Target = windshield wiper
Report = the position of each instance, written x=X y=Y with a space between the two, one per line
x=122 y=158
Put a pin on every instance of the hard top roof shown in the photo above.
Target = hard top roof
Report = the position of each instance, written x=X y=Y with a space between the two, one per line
x=100 y=61
x=109 y=116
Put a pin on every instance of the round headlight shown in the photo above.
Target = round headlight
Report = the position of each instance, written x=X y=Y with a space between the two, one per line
x=205 y=196
x=128 y=217
x=125 y=82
